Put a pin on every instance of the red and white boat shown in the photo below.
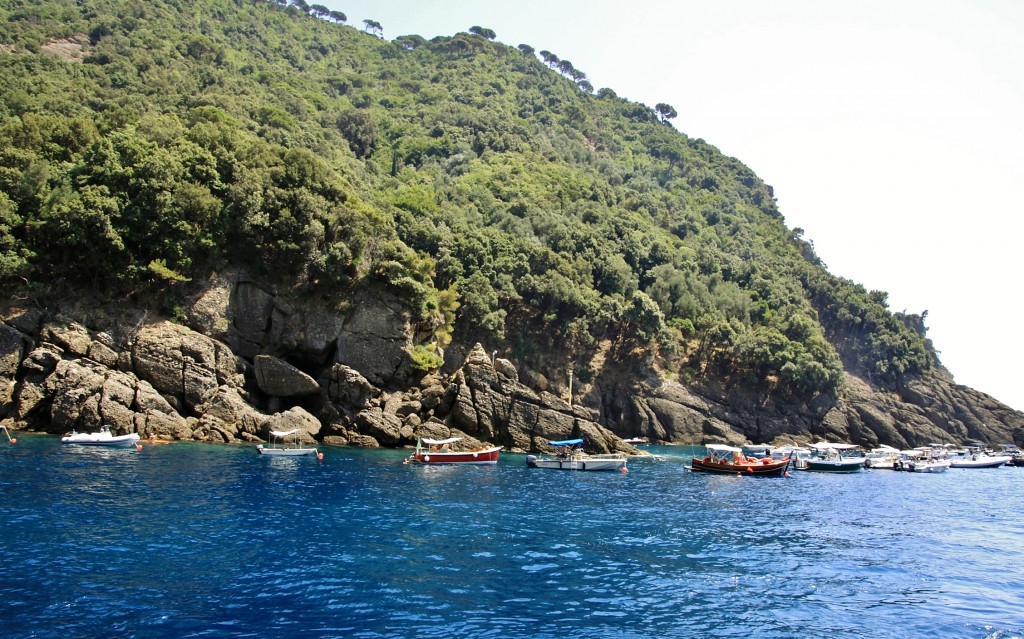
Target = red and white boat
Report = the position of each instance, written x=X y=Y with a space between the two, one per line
x=444 y=451
x=731 y=461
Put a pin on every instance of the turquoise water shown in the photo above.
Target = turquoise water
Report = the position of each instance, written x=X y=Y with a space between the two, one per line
x=191 y=540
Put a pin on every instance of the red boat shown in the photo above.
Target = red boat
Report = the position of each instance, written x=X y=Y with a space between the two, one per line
x=730 y=460
x=444 y=451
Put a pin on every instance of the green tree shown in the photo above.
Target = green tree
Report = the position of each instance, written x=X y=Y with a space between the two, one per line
x=666 y=111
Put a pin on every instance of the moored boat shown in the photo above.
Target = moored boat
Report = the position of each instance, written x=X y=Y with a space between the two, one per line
x=828 y=457
x=730 y=460
x=979 y=460
x=572 y=457
x=882 y=457
x=922 y=460
x=446 y=451
x=103 y=438
x=279 y=447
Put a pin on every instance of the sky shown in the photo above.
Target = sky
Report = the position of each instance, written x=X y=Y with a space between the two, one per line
x=891 y=130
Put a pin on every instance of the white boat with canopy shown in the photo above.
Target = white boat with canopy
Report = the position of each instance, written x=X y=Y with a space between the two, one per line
x=882 y=457
x=279 y=447
x=570 y=456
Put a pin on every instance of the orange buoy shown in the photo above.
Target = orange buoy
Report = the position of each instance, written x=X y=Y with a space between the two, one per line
x=14 y=440
x=320 y=456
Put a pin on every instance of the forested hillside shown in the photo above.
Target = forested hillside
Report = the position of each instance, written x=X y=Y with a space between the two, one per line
x=144 y=146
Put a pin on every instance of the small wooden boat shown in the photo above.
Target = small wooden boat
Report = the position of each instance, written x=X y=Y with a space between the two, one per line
x=102 y=438
x=730 y=460
x=446 y=451
x=572 y=457
x=278 y=446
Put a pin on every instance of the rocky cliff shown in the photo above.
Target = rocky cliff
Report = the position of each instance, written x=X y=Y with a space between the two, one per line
x=247 y=359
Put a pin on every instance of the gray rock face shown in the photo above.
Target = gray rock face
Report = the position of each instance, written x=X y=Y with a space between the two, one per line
x=297 y=417
x=494 y=408
x=251 y=308
x=376 y=340
x=182 y=363
x=346 y=386
x=209 y=313
x=12 y=351
x=172 y=381
x=227 y=416
x=279 y=378
x=86 y=395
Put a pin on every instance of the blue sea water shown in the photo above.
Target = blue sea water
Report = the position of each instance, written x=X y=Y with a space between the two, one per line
x=193 y=540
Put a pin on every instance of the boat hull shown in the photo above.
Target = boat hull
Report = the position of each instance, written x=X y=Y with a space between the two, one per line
x=775 y=468
x=97 y=439
x=484 y=457
x=930 y=467
x=831 y=466
x=589 y=463
x=981 y=462
x=284 y=452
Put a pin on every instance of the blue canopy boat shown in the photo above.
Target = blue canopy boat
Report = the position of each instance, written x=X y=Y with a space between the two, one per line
x=572 y=457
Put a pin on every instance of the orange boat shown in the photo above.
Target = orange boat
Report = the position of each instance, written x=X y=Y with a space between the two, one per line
x=731 y=461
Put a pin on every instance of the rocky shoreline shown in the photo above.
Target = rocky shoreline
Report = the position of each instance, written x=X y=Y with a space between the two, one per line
x=246 y=360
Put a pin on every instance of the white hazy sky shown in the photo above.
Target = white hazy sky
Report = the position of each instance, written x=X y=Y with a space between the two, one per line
x=892 y=130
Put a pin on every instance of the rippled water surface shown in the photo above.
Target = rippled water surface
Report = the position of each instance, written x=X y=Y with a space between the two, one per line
x=190 y=540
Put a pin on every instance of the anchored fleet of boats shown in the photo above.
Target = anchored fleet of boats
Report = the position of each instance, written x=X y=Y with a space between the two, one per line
x=569 y=454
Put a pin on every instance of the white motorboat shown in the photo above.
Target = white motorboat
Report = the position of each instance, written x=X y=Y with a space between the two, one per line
x=979 y=460
x=882 y=457
x=922 y=460
x=278 y=446
x=829 y=457
x=572 y=457
x=102 y=438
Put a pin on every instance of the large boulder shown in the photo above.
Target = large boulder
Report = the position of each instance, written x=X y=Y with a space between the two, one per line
x=227 y=416
x=294 y=418
x=278 y=378
x=184 y=364
x=348 y=387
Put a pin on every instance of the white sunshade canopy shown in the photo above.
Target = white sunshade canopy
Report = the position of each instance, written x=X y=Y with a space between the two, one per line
x=441 y=442
x=723 y=448
x=835 y=446
x=283 y=433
